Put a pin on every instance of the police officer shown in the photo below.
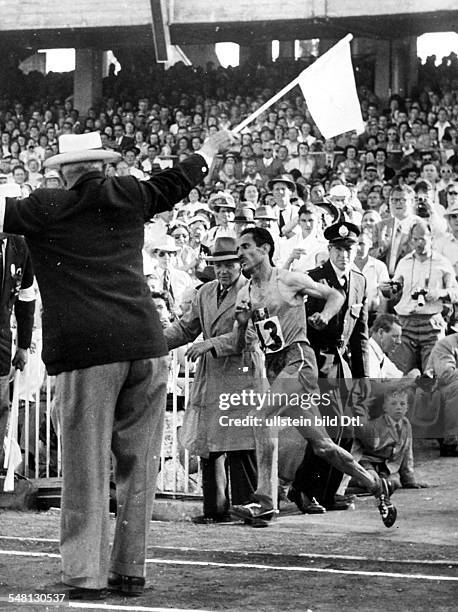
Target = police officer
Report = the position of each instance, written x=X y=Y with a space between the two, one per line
x=341 y=351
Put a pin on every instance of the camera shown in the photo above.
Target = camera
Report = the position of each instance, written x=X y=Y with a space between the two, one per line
x=394 y=288
x=422 y=208
x=419 y=295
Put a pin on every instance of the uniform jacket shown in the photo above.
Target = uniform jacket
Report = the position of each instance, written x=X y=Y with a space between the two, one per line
x=218 y=371
x=18 y=275
x=348 y=329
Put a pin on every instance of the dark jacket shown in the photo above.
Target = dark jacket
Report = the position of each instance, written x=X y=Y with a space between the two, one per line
x=86 y=247
x=347 y=331
x=18 y=275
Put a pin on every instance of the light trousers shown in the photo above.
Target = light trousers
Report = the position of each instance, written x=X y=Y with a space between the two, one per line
x=117 y=409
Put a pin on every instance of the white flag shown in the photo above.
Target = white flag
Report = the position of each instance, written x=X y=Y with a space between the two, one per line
x=329 y=89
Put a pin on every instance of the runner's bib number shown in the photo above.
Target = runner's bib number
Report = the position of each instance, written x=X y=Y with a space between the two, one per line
x=270 y=334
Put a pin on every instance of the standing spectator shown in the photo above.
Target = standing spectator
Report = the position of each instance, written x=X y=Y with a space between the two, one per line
x=424 y=280
x=225 y=451
x=110 y=377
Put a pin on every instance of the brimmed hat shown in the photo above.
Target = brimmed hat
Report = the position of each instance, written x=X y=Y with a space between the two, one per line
x=330 y=207
x=52 y=174
x=166 y=243
x=225 y=249
x=282 y=179
x=265 y=212
x=199 y=218
x=221 y=198
x=343 y=233
x=339 y=191
x=80 y=148
x=244 y=214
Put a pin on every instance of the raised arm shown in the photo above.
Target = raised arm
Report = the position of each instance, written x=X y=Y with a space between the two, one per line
x=333 y=299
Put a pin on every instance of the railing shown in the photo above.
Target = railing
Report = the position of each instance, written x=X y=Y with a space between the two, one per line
x=38 y=432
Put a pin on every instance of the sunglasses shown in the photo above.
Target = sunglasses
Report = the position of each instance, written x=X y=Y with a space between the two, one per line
x=452 y=192
x=163 y=253
x=454 y=217
x=267 y=150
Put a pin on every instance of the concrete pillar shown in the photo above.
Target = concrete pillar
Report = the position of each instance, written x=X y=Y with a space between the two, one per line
x=256 y=52
x=404 y=66
x=286 y=49
x=88 y=79
x=382 y=70
x=398 y=65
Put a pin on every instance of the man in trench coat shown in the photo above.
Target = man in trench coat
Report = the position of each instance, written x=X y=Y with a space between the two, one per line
x=220 y=372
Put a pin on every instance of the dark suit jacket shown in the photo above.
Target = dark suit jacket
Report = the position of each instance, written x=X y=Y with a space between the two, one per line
x=383 y=233
x=348 y=329
x=86 y=247
x=18 y=274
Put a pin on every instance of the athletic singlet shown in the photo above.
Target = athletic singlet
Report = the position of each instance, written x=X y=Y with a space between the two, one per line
x=290 y=313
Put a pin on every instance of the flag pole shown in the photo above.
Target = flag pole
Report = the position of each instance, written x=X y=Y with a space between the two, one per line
x=265 y=106
x=281 y=93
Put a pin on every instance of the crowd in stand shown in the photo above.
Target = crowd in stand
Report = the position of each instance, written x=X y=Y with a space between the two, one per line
x=394 y=188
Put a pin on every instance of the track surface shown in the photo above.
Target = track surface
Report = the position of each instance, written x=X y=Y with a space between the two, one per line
x=335 y=562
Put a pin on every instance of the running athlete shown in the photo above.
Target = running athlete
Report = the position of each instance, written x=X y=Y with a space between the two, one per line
x=273 y=301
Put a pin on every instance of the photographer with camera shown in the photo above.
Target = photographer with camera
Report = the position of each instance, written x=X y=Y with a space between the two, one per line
x=427 y=208
x=422 y=282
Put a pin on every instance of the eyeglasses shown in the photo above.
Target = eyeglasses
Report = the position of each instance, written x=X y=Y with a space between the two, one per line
x=163 y=253
x=266 y=150
x=454 y=193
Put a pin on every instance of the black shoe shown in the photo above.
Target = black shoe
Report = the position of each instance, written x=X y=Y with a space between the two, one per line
x=314 y=507
x=211 y=520
x=253 y=513
x=74 y=593
x=131 y=586
x=340 y=504
x=386 y=508
x=297 y=497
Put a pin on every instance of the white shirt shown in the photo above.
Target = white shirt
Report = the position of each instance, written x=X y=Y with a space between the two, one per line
x=380 y=365
x=435 y=273
x=313 y=244
x=447 y=246
x=375 y=272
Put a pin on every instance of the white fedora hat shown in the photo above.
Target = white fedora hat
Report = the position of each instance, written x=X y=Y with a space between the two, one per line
x=79 y=148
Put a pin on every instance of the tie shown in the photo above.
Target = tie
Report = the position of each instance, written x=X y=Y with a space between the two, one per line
x=2 y=242
x=1 y=263
x=222 y=292
x=344 y=283
x=167 y=285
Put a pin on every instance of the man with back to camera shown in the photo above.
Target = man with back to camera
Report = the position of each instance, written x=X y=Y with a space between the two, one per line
x=276 y=296
x=103 y=340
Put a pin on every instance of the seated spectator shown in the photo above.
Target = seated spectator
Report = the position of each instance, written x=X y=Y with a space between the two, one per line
x=384 y=444
x=443 y=363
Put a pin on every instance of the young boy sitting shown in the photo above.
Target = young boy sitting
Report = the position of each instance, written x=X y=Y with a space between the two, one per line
x=384 y=444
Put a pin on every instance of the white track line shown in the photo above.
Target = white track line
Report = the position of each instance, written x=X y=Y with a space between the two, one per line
x=104 y=606
x=269 y=554
x=292 y=568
